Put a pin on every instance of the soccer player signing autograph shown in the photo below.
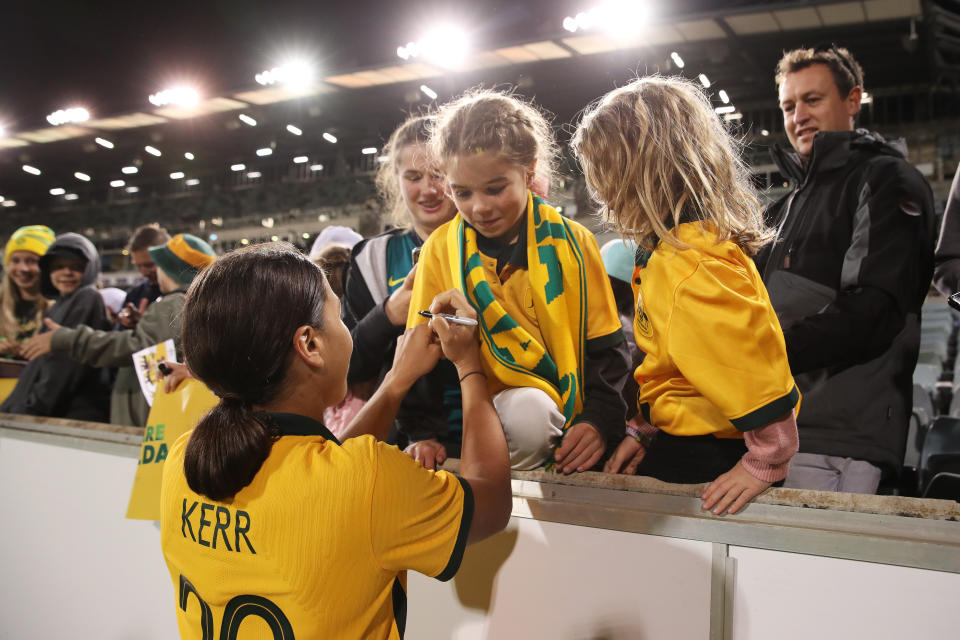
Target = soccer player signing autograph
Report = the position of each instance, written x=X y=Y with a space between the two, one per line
x=268 y=521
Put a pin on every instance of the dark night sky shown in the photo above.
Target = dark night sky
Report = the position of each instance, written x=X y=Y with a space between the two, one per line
x=110 y=55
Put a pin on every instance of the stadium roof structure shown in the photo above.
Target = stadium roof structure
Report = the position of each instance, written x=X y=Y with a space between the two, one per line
x=362 y=89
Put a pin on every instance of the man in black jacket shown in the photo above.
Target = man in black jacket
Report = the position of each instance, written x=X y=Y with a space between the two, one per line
x=847 y=275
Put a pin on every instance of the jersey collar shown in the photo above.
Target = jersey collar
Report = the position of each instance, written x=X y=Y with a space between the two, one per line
x=292 y=424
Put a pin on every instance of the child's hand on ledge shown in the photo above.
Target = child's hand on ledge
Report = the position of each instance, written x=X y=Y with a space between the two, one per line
x=731 y=491
x=580 y=449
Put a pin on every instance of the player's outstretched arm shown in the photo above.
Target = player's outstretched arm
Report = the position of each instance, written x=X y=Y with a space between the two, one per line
x=484 y=460
x=417 y=354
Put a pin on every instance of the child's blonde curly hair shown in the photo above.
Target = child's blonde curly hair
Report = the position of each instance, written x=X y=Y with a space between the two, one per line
x=656 y=155
x=487 y=120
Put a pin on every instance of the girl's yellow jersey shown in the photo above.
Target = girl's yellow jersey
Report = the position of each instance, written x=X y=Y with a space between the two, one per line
x=716 y=359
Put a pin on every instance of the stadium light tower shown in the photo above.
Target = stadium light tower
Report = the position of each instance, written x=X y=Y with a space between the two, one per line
x=176 y=96
x=619 y=18
x=67 y=116
x=445 y=46
x=295 y=73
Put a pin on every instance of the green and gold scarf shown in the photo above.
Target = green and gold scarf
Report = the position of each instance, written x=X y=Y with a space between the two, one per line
x=558 y=282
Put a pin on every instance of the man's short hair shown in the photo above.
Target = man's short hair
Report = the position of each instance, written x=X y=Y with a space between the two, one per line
x=847 y=72
x=149 y=235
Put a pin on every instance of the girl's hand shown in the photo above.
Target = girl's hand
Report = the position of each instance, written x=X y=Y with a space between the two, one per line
x=398 y=304
x=9 y=347
x=459 y=342
x=417 y=354
x=580 y=449
x=430 y=453
x=629 y=453
x=180 y=372
x=733 y=489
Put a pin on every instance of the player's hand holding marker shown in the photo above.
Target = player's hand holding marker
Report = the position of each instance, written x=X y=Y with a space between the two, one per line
x=460 y=346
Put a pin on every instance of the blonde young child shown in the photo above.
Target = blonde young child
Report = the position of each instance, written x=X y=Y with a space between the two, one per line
x=551 y=339
x=715 y=382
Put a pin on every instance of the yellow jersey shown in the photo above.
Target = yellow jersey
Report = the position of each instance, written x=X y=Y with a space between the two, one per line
x=317 y=545
x=716 y=361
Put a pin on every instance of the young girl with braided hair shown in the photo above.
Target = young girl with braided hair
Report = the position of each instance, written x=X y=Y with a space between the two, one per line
x=551 y=340
x=715 y=381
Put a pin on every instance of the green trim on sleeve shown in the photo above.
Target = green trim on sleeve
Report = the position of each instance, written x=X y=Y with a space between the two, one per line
x=461 y=544
x=768 y=412
x=604 y=342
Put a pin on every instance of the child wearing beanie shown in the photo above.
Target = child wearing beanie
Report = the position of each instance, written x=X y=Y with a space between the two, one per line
x=178 y=262
x=21 y=303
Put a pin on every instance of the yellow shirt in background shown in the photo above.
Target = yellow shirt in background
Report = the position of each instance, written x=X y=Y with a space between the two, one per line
x=716 y=359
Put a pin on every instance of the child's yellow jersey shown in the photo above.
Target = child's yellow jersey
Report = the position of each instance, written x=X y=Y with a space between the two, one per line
x=317 y=546
x=716 y=361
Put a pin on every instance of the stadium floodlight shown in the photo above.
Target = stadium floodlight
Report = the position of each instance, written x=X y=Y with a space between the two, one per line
x=57 y=191
x=445 y=46
x=329 y=137
x=723 y=96
x=704 y=80
x=316 y=167
x=305 y=235
x=213 y=237
x=368 y=151
x=31 y=170
x=427 y=91
x=79 y=175
x=3 y=133
x=866 y=98
x=9 y=203
x=274 y=238
x=244 y=241
x=176 y=175
x=177 y=96
x=71 y=196
x=117 y=183
x=296 y=73
x=152 y=150
x=238 y=167
x=265 y=151
x=132 y=189
x=129 y=170
x=297 y=131
x=66 y=116
x=677 y=60
x=300 y=159
x=764 y=132
x=192 y=182
x=733 y=116
x=245 y=119
x=103 y=142
x=253 y=175
x=724 y=110
x=382 y=159
x=617 y=17
x=188 y=156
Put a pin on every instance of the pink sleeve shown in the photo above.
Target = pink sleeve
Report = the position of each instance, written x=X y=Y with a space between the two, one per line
x=769 y=450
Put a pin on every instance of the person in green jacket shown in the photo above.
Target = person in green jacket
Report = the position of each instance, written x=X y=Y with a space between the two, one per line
x=179 y=260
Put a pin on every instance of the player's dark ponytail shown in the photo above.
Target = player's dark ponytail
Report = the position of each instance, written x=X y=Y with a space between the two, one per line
x=238 y=324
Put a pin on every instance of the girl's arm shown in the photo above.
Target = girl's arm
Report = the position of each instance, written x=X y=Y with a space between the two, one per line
x=766 y=461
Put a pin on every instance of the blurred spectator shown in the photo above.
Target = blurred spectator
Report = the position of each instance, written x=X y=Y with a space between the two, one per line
x=334 y=235
x=54 y=385
x=847 y=275
x=380 y=280
x=619 y=258
x=147 y=290
x=946 y=275
x=21 y=303
x=178 y=262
